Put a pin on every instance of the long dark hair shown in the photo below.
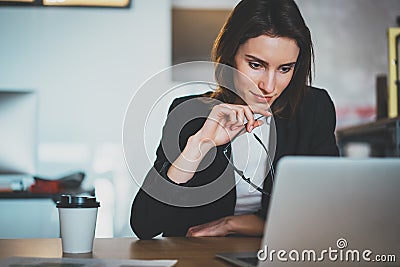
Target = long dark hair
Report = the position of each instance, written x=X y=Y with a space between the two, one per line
x=274 y=18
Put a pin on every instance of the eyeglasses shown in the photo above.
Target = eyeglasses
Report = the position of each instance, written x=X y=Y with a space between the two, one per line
x=241 y=174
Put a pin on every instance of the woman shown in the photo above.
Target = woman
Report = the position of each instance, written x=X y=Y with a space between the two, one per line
x=267 y=42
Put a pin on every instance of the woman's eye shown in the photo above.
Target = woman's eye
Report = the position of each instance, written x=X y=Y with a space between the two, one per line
x=286 y=69
x=255 y=65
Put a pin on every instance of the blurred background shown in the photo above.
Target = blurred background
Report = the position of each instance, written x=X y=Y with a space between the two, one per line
x=85 y=64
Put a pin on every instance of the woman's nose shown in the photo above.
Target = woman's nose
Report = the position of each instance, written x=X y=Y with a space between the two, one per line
x=267 y=82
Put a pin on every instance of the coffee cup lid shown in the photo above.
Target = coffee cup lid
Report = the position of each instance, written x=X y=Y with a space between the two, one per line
x=68 y=201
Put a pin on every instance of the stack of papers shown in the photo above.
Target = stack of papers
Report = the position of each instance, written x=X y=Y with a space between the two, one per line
x=71 y=262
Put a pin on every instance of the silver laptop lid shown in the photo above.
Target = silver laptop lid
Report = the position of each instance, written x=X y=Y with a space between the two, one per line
x=334 y=212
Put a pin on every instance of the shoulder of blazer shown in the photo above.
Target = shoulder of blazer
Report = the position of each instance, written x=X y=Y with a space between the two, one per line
x=317 y=111
x=316 y=94
x=180 y=100
x=186 y=115
x=316 y=100
x=314 y=106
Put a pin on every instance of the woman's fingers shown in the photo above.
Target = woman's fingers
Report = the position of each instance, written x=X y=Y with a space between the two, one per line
x=258 y=123
x=213 y=228
x=230 y=117
x=266 y=113
x=243 y=114
x=226 y=121
x=225 y=116
x=250 y=118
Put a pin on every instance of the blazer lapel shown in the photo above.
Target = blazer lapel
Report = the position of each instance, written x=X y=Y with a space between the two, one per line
x=279 y=137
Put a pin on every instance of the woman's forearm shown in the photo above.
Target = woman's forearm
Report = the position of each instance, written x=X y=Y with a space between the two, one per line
x=184 y=167
x=248 y=224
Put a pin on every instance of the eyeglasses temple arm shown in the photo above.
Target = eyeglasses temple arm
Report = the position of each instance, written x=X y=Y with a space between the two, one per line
x=271 y=167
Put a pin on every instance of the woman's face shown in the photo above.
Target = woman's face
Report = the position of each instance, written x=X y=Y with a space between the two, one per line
x=268 y=63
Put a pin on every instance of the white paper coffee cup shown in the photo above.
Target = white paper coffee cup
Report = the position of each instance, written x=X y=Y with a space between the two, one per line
x=78 y=217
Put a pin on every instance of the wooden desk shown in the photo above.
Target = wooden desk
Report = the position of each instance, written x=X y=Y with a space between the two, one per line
x=188 y=251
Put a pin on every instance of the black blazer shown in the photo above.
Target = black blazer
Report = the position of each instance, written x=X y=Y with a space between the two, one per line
x=161 y=206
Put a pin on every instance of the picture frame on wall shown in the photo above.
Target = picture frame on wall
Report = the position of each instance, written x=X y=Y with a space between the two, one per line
x=68 y=3
x=19 y=2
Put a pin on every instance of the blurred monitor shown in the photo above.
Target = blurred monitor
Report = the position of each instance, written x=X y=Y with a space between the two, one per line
x=194 y=31
x=18 y=122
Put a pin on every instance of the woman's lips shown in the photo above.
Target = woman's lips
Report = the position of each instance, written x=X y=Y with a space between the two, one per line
x=262 y=98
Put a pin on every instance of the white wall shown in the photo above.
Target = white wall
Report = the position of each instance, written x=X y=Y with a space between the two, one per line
x=85 y=64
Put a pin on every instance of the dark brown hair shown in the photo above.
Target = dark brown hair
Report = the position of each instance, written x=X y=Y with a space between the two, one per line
x=274 y=18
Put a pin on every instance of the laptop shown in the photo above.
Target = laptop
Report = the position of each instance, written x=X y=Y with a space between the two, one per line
x=328 y=211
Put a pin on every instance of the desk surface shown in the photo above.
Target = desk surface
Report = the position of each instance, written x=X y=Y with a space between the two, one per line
x=188 y=251
x=54 y=196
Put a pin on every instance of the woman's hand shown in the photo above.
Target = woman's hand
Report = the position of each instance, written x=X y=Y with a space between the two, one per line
x=219 y=227
x=248 y=224
x=225 y=121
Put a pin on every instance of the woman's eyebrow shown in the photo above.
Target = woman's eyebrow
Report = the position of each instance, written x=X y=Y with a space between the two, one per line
x=251 y=57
